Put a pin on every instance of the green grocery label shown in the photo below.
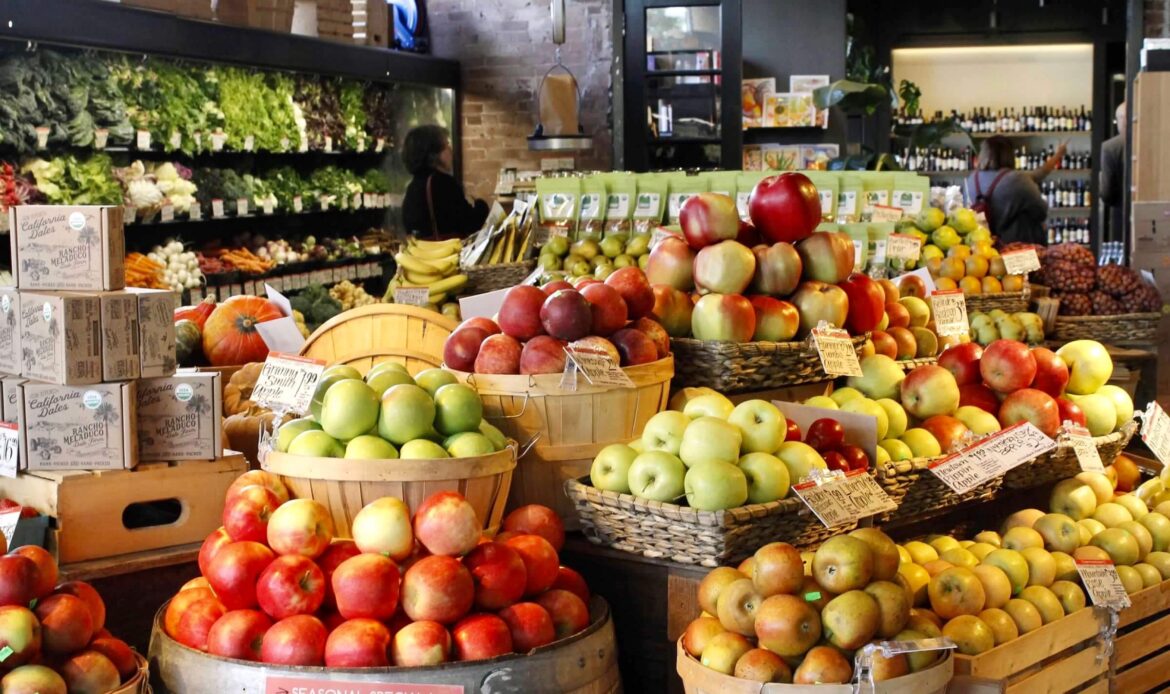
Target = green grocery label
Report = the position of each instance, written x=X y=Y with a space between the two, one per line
x=5 y=653
x=812 y=597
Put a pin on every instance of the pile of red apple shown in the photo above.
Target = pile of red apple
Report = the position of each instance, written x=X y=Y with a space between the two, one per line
x=52 y=637
x=277 y=587
x=535 y=324
x=773 y=279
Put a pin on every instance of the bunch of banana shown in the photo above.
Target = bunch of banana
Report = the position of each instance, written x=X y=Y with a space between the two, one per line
x=430 y=264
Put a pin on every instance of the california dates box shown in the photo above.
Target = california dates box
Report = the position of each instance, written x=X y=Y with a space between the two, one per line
x=179 y=417
x=60 y=337
x=67 y=247
x=80 y=428
x=9 y=330
x=156 y=331
x=120 y=336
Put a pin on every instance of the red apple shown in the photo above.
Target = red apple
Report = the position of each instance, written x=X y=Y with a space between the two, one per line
x=486 y=324
x=300 y=526
x=725 y=268
x=854 y=456
x=949 y=431
x=33 y=679
x=499 y=574
x=962 y=360
x=708 y=218
x=328 y=562
x=776 y=320
x=673 y=309
x=238 y=634
x=631 y=283
x=778 y=269
x=570 y=580
x=979 y=395
x=90 y=672
x=499 y=354
x=18 y=580
x=194 y=627
x=634 y=346
x=816 y=302
x=671 y=263
x=827 y=256
x=261 y=477
x=543 y=355
x=912 y=285
x=1069 y=411
x=834 y=461
x=366 y=586
x=566 y=315
x=883 y=343
x=608 y=307
x=540 y=561
x=296 y=640
x=867 y=302
x=216 y=541
x=555 y=286
x=481 y=636
x=727 y=317
x=245 y=518
x=462 y=347
x=569 y=613
x=1031 y=405
x=1007 y=365
x=437 y=588
x=785 y=207
x=825 y=434
x=898 y=315
x=1051 y=372
x=358 y=643
x=420 y=644
x=290 y=584
x=21 y=633
x=119 y=653
x=748 y=235
x=579 y=283
x=445 y=523
x=520 y=312
x=534 y=519
x=46 y=568
x=657 y=334
x=234 y=570
x=530 y=625
x=178 y=606
x=792 y=431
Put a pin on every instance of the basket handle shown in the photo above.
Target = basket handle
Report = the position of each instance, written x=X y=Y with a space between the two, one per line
x=523 y=407
x=528 y=446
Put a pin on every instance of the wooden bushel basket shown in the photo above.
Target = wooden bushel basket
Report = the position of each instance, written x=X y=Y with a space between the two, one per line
x=366 y=335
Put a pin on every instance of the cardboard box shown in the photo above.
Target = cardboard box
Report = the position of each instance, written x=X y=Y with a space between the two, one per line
x=1151 y=137
x=12 y=410
x=9 y=330
x=60 y=336
x=90 y=427
x=180 y=417
x=120 y=361
x=156 y=331
x=66 y=248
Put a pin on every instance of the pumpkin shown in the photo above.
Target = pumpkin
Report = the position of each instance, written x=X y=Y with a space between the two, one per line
x=197 y=313
x=230 y=336
x=188 y=342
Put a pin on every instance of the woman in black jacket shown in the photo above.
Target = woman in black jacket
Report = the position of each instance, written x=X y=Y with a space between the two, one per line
x=435 y=205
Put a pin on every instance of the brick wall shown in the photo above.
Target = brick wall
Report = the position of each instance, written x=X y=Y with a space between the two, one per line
x=505 y=47
x=1156 y=14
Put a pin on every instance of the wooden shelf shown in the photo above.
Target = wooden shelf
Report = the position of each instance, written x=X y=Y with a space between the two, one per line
x=968 y=172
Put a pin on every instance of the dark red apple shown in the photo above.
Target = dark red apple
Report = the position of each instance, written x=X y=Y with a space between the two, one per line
x=785 y=207
x=555 y=286
x=1007 y=366
x=358 y=643
x=46 y=568
x=540 y=561
x=18 y=580
x=519 y=314
x=290 y=584
x=245 y=518
x=462 y=347
x=566 y=315
x=543 y=354
x=1051 y=372
x=238 y=634
x=339 y=551
x=867 y=302
x=635 y=346
x=499 y=574
x=654 y=330
x=1031 y=405
x=570 y=580
x=632 y=284
x=962 y=360
x=535 y=519
x=530 y=625
x=569 y=613
x=792 y=431
x=854 y=456
x=119 y=653
x=481 y=322
x=1070 y=412
x=834 y=461
x=825 y=434
x=978 y=395
x=296 y=640
x=499 y=354
x=608 y=308
x=748 y=235
x=481 y=636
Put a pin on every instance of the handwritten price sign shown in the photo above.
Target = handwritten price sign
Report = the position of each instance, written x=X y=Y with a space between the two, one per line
x=903 y=246
x=598 y=368
x=835 y=348
x=1021 y=262
x=1103 y=584
x=991 y=457
x=950 y=312
x=286 y=383
x=9 y=449
x=1086 y=451
x=845 y=499
x=1156 y=431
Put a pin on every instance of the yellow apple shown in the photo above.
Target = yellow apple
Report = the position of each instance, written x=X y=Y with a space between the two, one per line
x=1144 y=539
x=1075 y=498
x=1024 y=614
x=1131 y=579
x=997 y=589
x=1041 y=566
x=1002 y=626
x=1066 y=567
x=956 y=591
x=990 y=537
x=1045 y=601
x=1102 y=487
x=1011 y=563
x=1150 y=575
x=1112 y=514
x=1121 y=546
x=1071 y=597
x=915 y=579
x=981 y=549
x=1019 y=538
x=921 y=552
x=970 y=634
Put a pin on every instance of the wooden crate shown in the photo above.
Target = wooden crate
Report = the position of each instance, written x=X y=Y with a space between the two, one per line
x=88 y=508
x=273 y=15
x=1141 y=654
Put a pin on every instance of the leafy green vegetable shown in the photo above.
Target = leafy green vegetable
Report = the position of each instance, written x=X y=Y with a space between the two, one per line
x=69 y=180
x=258 y=105
x=316 y=305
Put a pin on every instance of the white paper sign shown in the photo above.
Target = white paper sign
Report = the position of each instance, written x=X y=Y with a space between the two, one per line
x=903 y=246
x=950 y=312
x=298 y=204
x=101 y=137
x=1103 y=584
x=845 y=499
x=287 y=381
x=8 y=521
x=242 y=207
x=167 y=214
x=1020 y=262
x=249 y=142
x=142 y=139
x=216 y=207
x=176 y=140
x=598 y=367
x=412 y=296
x=991 y=457
x=835 y=348
x=485 y=305
x=1156 y=431
x=196 y=212
x=1084 y=448
x=885 y=213
x=9 y=449
x=860 y=429
x=217 y=141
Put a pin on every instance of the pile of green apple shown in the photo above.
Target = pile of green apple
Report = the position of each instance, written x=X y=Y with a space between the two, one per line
x=598 y=258
x=390 y=414
x=999 y=324
x=715 y=454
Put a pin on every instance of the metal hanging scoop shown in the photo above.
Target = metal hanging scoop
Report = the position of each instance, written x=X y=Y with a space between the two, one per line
x=559 y=100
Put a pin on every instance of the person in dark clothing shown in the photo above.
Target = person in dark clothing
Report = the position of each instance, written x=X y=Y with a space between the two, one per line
x=435 y=205
x=1112 y=178
x=1016 y=210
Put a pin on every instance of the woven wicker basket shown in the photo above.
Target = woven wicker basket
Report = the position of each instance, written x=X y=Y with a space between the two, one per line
x=734 y=367
x=1061 y=462
x=1010 y=302
x=1126 y=328
x=687 y=536
x=918 y=492
x=489 y=278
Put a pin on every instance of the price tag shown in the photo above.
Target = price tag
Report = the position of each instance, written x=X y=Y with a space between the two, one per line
x=598 y=367
x=1021 y=262
x=367 y=199
x=43 y=136
x=356 y=201
x=885 y=213
x=361 y=143
x=216 y=207
x=1156 y=431
x=838 y=358
x=242 y=207
x=176 y=140
x=1084 y=448
x=167 y=214
x=198 y=137
x=412 y=296
x=328 y=143
x=303 y=685
x=284 y=143
x=844 y=498
x=286 y=382
x=903 y=246
x=324 y=202
x=267 y=205
x=304 y=145
x=218 y=138
x=879 y=253
x=101 y=137
x=142 y=139
x=9 y=449
x=129 y=213
x=379 y=144
x=196 y=212
x=1103 y=584
x=8 y=522
x=249 y=143
x=991 y=457
x=298 y=206
x=950 y=312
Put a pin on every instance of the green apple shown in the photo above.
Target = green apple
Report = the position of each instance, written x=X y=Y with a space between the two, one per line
x=1161 y=562
x=1045 y=602
x=1073 y=498
x=431 y=380
x=881 y=377
x=869 y=407
x=1013 y=564
x=978 y=420
x=658 y=476
x=1066 y=566
x=331 y=375
x=366 y=447
x=708 y=439
x=800 y=459
x=1092 y=525
x=1121 y=546
x=408 y=413
x=1060 y=532
x=897 y=450
x=709 y=405
x=468 y=444
x=349 y=409
x=1100 y=412
x=499 y=441
x=387 y=378
x=1159 y=527
x=896 y=415
x=386 y=365
x=843 y=395
x=611 y=468
x=422 y=449
x=1121 y=401
x=1130 y=579
x=1150 y=575
x=316 y=443
x=761 y=425
x=457 y=409
x=1144 y=539
x=291 y=429
x=1136 y=507
x=822 y=401
x=922 y=443
x=715 y=486
x=664 y=431
x=881 y=456
x=637 y=445
x=767 y=477
x=1089 y=366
